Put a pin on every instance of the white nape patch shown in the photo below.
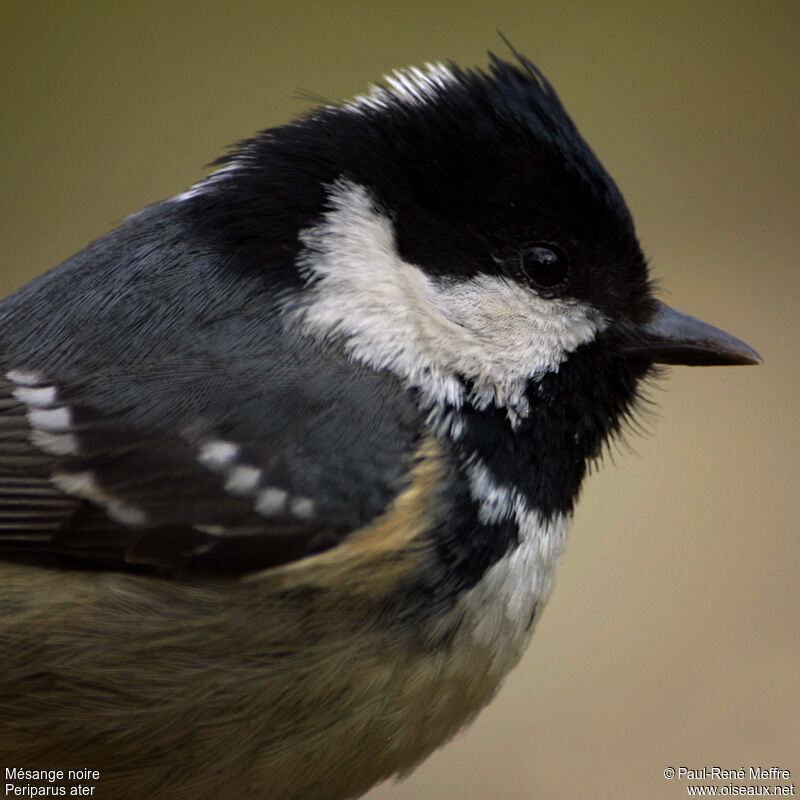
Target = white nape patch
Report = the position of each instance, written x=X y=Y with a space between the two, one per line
x=24 y=378
x=429 y=332
x=207 y=183
x=497 y=615
x=410 y=86
x=271 y=501
x=84 y=485
x=242 y=479
x=218 y=455
x=36 y=397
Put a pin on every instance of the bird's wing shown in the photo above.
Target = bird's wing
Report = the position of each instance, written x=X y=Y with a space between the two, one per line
x=158 y=411
x=188 y=468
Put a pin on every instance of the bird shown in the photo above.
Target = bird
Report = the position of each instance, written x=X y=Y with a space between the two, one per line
x=288 y=460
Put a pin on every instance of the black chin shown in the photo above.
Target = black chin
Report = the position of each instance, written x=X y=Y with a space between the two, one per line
x=574 y=412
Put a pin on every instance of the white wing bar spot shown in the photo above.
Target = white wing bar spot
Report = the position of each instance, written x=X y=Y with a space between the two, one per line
x=85 y=486
x=222 y=457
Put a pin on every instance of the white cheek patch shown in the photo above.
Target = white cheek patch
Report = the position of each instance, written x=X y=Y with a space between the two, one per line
x=389 y=314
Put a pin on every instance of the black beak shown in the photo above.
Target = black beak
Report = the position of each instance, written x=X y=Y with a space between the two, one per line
x=672 y=337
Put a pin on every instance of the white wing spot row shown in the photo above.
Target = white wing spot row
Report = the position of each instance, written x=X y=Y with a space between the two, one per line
x=245 y=480
x=51 y=432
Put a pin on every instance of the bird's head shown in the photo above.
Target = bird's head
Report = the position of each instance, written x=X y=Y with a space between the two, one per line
x=452 y=226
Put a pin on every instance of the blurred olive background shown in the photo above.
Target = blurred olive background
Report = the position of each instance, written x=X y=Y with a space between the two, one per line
x=672 y=637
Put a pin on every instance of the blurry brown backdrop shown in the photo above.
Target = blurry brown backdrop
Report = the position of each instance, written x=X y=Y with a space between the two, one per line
x=672 y=636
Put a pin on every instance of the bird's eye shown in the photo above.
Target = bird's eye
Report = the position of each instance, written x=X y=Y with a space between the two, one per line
x=545 y=266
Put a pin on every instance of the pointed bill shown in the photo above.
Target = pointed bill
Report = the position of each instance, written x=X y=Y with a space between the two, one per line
x=672 y=337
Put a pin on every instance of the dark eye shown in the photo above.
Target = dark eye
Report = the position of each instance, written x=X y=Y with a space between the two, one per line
x=544 y=265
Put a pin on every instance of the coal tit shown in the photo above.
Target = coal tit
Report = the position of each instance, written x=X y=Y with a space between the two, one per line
x=287 y=461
